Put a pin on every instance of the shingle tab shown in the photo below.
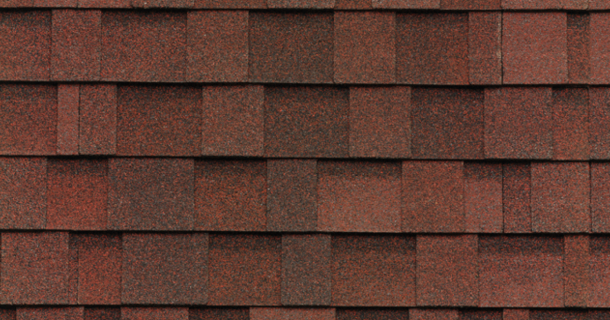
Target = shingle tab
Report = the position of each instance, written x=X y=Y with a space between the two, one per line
x=432 y=48
x=433 y=196
x=364 y=47
x=35 y=268
x=359 y=196
x=291 y=47
x=26 y=45
x=165 y=269
x=143 y=46
x=370 y=271
x=230 y=195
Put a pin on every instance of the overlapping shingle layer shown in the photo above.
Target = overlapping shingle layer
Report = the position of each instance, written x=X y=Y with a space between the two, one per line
x=304 y=159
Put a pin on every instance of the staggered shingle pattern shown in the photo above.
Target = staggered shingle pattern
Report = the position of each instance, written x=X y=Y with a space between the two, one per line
x=304 y=159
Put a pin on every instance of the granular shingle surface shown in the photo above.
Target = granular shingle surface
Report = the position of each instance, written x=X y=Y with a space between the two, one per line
x=304 y=159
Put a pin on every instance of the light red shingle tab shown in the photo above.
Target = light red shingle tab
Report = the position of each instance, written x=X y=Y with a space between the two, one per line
x=534 y=47
x=144 y=46
x=521 y=271
x=28 y=119
x=245 y=270
x=359 y=196
x=516 y=195
x=519 y=123
x=99 y=268
x=77 y=194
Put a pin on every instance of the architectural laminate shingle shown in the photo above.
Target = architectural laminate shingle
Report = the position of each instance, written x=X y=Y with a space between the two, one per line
x=230 y=195
x=292 y=195
x=483 y=197
x=359 y=196
x=245 y=270
x=306 y=276
x=77 y=194
x=159 y=121
x=447 y=123
x=433 y=196
x=365 y=47
x=23 y=186
x=165 y=269
x=304 y=160
x=521 y=271
x=97 y=119
x=534 y=47
x=36 y=268
x=100 y=265
x=444 y=277
x=373 y=271
x=26 y=51
x=217 y=46
x=28 y=116
x=67 y=119
x=150 y=194
x=432 y=48
x=76 y=49
x=144 y=46
x=291 y=47
x=232 y=121
x=380 y=122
